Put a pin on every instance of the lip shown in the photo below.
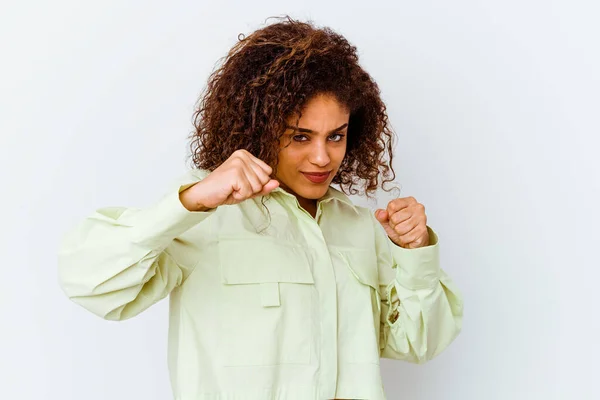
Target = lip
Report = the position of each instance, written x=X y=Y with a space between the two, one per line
x=317 y=177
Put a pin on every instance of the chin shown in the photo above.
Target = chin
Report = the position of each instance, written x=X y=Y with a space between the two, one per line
x=313 y=193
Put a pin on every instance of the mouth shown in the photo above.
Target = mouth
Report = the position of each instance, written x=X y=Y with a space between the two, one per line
x=317 y=177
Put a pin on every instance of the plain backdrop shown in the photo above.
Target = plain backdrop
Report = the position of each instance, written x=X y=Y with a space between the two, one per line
x=496 y=108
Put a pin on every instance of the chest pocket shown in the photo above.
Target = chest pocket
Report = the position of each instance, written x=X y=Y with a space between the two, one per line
x=266 y=303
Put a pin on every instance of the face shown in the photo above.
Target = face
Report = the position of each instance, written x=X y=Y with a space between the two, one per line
x=311 y=153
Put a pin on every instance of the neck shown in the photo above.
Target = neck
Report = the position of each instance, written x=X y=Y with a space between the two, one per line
x=309 y=205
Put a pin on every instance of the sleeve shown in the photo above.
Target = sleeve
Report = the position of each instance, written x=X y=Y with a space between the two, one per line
x=421 y=308
x=119 y=261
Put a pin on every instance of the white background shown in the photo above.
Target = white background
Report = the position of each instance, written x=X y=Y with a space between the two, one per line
x=496 y=106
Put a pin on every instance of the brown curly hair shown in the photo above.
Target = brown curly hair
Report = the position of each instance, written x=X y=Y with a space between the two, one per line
x=270 y=75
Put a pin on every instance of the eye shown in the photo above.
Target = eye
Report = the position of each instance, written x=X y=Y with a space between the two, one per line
x=336 y=137
x=299 y=138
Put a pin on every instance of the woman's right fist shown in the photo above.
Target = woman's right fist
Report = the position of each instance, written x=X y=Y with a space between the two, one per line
x=242 y=176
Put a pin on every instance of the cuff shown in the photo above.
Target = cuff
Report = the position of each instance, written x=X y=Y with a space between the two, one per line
x=167 y=219
x=418 y=268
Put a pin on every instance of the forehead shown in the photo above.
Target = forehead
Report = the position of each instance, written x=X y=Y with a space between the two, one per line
x=323 y=110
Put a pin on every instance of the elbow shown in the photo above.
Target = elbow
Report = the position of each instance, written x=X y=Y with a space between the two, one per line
x=107 y=303
x=101 y=309
x=420 y=358
x=108 y=306
x=441 y=342
x=442 y=332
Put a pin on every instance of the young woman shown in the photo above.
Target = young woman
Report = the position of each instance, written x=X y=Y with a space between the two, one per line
x=280 y=287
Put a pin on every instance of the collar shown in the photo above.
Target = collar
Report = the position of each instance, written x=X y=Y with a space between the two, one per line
x=332 y=194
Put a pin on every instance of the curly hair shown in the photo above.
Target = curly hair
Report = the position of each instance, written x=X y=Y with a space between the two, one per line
x=269 y=76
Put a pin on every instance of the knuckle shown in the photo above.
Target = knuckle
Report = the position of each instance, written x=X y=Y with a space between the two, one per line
x=237 y=162
x=241 y=154
x=264 y=179
x=246 y=190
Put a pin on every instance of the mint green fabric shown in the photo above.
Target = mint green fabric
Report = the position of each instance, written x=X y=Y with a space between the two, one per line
x=266 y=302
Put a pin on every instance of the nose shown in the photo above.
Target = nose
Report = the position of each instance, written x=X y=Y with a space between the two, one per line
x=319 y=155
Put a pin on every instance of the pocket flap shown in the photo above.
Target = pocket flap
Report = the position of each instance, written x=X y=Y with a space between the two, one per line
x=363 y=265
x=245 y=261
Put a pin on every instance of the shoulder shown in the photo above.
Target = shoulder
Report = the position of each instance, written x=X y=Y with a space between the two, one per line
x=348 y=207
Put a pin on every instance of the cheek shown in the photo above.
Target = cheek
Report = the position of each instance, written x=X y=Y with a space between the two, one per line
x=288 y=161
x=338 y=154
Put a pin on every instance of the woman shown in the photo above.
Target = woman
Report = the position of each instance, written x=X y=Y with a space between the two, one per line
x=280 y=287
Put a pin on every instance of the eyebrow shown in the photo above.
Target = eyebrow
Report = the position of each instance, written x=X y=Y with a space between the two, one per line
x=305 y=130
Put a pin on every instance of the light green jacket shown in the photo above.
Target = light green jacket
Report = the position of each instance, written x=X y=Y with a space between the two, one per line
x=266 y=304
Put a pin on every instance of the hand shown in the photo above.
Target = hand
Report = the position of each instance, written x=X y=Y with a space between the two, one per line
x=405 y=222
x=242 y=176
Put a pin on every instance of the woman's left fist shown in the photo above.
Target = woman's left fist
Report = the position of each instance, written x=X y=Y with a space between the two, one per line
x=405 y=222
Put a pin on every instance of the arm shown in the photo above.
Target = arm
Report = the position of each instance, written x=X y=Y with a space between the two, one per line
x=119 y=261
x=421 y=309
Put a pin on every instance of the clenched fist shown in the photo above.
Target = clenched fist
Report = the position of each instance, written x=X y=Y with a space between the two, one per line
x=405 y=222
x=242 y=176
